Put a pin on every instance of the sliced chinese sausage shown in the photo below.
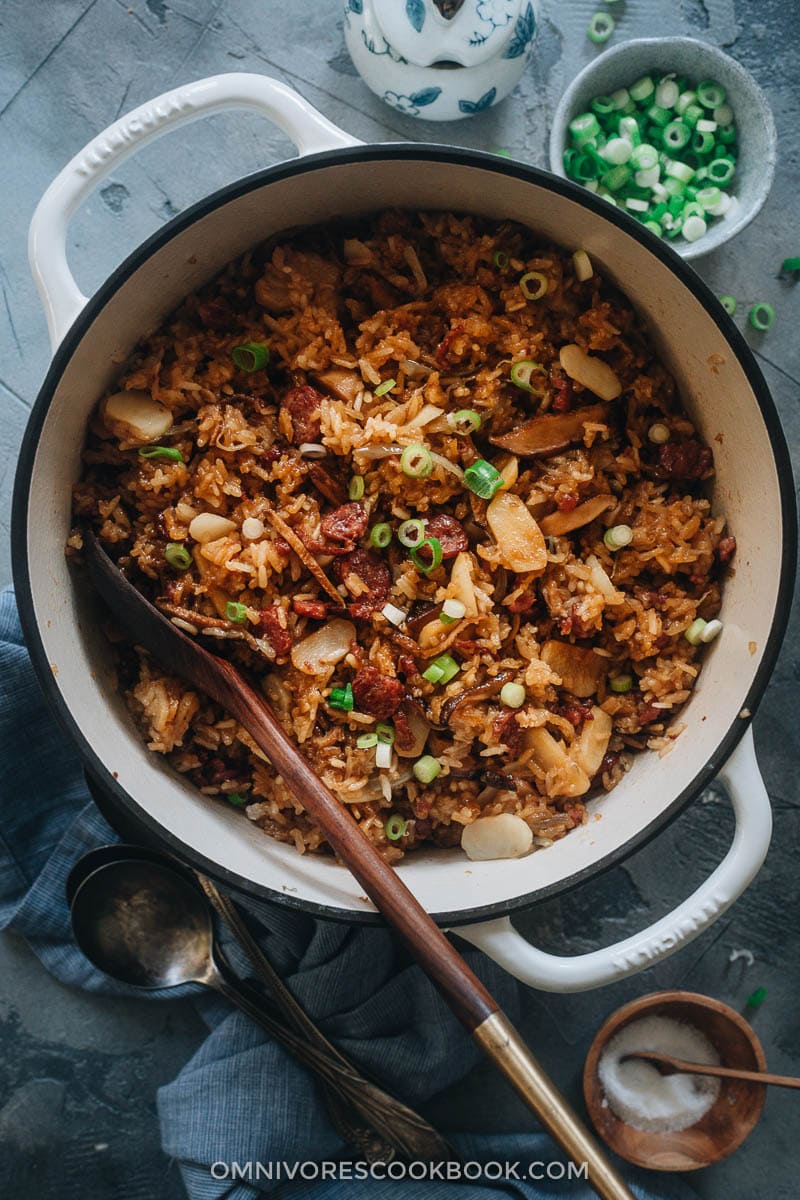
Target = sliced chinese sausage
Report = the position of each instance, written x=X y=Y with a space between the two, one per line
x=590 y=371
x=552 y=432
x=519 y=539
x=558 y=523
x=581 y=670
x=134 y=416
x=589 y=749
x=501 y=836
x=565 y=777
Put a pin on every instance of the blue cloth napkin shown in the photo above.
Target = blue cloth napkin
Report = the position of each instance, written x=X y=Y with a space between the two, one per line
x=241 y=1099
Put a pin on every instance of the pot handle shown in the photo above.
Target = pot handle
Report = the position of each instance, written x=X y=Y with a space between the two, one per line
x=552 y=973
x=47 y=238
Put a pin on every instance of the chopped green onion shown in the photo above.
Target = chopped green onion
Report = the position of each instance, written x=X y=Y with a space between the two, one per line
x=433 y=545
x=582 y=266
x=642 y=89
x=521 y=375
x=416 y=462
x=601 y=27
x=723 y=114
x=644 y=157
x=453 y=610
x=426 y=768
x=694 y=633
x=621 y=683
x=721 y=170
x=383 y=756
x=676 y=135
x=177 y=556
x=667 y=93
x=702 y=143
x=620 y=98
x=235 y=611
x=483 y=479
x=729 y=304
x=380 y=535
x=790 y=266
x=629 y=129
x=710 y=94
x=236 y=799
x=500 y=259
x=465 y=421
x=395 y=827
x=617 y=177
x=385 y=733
x=512 y=695
x=411 y=533
x=342 y=698
x=533 y=285
x=250 y=356
x=712 y=630
x=756 y=998
x=356 y=489
x=762 y=316
x=694 y=227
x=385 y=387
x=603 y=105
x=679 y=170
x=660 y=117
x=366 y=741
x=393 y=614
x=618 y=536
x=617 y=150
x=169 y=453
x=659 y=433
x=442 y=669
x=583 y=127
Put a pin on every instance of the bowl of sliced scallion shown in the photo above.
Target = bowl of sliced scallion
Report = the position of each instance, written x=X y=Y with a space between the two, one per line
x=673 y=132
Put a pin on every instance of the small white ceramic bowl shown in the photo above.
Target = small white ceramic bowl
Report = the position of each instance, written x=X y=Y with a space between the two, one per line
x=621 y=65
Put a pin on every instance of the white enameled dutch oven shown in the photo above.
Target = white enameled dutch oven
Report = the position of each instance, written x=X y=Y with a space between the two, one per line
x=336 y=176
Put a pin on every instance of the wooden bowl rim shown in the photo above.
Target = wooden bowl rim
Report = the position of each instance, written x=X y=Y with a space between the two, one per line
x=636 y=1008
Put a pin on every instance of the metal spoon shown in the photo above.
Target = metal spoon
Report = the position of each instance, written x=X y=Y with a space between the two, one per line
x=147 y=925
x=667 y=1064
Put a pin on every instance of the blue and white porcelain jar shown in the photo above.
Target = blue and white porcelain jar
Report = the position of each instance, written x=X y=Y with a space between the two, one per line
x=440 y=60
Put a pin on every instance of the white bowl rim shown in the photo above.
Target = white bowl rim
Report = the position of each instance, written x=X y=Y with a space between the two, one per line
x=722 y=232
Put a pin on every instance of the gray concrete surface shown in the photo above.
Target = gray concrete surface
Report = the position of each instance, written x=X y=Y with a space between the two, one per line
x=78 y=1075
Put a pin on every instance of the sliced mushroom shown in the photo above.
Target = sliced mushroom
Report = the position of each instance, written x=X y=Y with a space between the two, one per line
x=340 y=383
x=519 y=539
x=461 y=585
x=589 y=749
x=581 y=670
x=207 y=527
x=558 y=523
x=568 y=778
x=590 y=371
x=324 y=648
x=551 y=432
x=501 y=836
x=419 y=728
x=134 y=416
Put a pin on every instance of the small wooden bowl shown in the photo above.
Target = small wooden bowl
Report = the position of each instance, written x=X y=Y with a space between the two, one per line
x=724 y=1127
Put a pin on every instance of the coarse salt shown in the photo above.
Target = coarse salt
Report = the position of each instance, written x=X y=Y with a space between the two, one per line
x=642 y=1097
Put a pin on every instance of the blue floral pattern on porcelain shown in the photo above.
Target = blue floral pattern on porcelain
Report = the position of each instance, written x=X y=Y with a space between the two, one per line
x=399 y=47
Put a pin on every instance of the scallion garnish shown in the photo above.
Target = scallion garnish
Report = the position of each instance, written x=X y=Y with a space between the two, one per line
x=621 y=684
x=442 y=669
x=601 y=27
x=729 y=304
x=427 y=768
x=533 y=285
x=465 y=421
x=416 y=462
x=694 y=634
x=521 y=375
x=395 y=827
x=342 y=698
x=250 y=356
x=356 y=488
x=500 y=259
x=236 y=612
x=380 y=535
x=366 y=741
x=618 y=536
x=483 y=479
x=411 y=533
x=385 y=733
x=419 y=555
x=177 y=556
x=762 y=316
x=512 y=695
x=385 y=387
x=168 y=453
x=236 y=799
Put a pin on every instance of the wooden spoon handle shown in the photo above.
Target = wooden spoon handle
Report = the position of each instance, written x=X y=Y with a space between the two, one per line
x=787 y=1081
x=477 y=1010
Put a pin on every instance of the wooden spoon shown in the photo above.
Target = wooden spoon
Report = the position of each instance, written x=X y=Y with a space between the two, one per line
x=667 y=1064
x=477 y=1010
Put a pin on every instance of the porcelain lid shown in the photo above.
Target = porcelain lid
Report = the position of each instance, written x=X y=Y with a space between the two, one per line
x=467 y=32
